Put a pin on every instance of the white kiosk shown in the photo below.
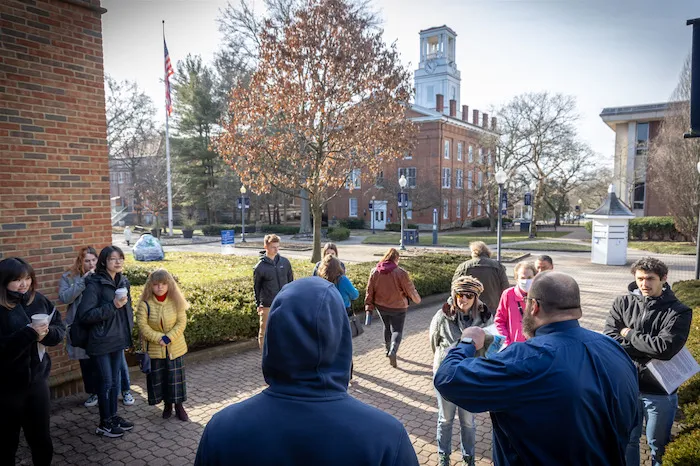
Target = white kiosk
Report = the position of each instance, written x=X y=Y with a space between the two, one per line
x=610 y=231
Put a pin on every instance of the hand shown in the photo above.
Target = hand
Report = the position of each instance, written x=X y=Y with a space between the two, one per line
x=119 y=303
x=477 y=334
x=89 y=272
x=42 y=329
x=368 y=313
x=625 y=331
x=162 y=343
x=260 y=310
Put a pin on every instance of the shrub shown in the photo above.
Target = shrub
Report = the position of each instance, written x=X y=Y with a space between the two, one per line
x=215 y=230
x=397 y=226
x=589 y=226
x=653 y=228
x=280 y=229
x=352 y=223
x=338 y=234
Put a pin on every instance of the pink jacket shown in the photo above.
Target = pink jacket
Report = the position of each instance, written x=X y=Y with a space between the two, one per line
x=509 y=320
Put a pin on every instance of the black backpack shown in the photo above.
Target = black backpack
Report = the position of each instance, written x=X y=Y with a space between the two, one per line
x=78 y=333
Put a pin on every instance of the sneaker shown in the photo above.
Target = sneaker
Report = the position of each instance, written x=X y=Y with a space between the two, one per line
x=127 y=399
x=109 y=429
x=122 y=423
x=468 y=460
x=392 y=360
x=91 y=401
x=443 y=459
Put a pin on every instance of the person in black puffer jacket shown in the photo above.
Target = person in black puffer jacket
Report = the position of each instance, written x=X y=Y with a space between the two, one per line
x=110 y=319
x=24 y=362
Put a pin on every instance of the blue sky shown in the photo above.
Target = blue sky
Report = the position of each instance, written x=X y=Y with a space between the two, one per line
x=605 y=53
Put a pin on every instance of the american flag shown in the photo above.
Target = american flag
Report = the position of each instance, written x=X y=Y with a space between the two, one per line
x=168 y=72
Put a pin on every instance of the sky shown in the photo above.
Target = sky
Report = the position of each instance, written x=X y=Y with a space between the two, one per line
x=605 y=53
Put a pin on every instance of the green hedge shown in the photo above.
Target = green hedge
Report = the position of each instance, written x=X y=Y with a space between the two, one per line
x=215 y=230
x=338 y=234
x=352 y=223
x=485 y=222
x=589 y=226
x=684 y=450
x=397 y=226
x=650 y=229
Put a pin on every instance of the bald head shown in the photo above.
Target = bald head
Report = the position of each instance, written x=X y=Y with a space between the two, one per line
x=557 y=293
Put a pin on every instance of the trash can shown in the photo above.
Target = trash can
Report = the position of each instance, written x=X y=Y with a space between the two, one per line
x=410 y=236
x=525 y=226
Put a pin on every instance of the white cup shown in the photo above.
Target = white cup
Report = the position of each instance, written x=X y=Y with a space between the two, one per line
x=40 y=319
x=121 y=293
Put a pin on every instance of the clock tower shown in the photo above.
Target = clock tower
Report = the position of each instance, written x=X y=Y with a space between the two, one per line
x=437 y=71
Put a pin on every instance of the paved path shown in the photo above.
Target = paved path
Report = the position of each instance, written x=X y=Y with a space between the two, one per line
x=406 y=392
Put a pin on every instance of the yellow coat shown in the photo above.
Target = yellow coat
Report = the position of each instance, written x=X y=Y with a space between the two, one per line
x=165 y=320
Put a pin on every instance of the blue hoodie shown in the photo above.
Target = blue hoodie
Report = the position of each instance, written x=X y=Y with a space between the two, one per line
x=305 y=416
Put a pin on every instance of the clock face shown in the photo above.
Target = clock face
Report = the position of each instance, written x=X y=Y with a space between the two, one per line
x=430 y=66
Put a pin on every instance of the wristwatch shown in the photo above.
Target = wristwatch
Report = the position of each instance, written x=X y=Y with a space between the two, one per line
x=467 y=340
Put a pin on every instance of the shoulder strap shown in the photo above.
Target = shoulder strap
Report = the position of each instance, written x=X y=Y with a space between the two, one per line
x=148 y=310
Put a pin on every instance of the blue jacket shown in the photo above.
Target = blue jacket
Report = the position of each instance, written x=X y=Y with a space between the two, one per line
x=347 y=290
x=305 y=416
x=566 y=397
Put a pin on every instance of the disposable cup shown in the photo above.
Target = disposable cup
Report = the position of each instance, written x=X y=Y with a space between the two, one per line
x=121 y=293
x=40 y=318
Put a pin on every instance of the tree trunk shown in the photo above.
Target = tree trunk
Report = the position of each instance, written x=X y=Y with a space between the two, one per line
x=533 y=228
x=318 y=214
x=305 y=226
x=284 y=209
x=557 y=219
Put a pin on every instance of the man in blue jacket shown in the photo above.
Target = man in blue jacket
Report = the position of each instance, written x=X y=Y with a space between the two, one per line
x=565 y=396
x=305 y=416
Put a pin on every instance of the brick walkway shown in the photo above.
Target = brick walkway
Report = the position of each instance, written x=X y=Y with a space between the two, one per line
x=406 y=392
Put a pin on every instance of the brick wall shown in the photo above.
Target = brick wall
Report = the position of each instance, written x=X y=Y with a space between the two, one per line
x=54 y=179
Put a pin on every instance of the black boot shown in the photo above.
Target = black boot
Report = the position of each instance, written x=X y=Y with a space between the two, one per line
x=180 y=412
x=167 y=410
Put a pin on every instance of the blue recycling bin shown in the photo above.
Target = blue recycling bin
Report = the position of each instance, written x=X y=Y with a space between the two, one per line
x=525 y=226
x=410 y=236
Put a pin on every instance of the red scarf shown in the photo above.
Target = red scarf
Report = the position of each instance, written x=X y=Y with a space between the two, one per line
x=161 y=298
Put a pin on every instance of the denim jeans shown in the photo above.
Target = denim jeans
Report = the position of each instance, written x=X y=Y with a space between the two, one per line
x=658 y=411
x=467 y=427
x=124 y=380
x=109 y=367
x=393 y=329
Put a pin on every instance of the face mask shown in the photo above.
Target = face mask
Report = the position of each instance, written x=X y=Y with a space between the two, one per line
x=525 y=284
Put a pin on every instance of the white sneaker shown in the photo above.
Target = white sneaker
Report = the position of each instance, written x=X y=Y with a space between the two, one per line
x=127 y=399
x=91 y=401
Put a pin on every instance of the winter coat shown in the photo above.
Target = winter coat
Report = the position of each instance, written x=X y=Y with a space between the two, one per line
x=490 y=273
x=447 y=326
x=163 y=320
x=306 y=363
x=110 y=328
x=390 y=288
x=509 y=315
x=70 y=292
x=660 y=328
x=269 y=276
x=19 y=354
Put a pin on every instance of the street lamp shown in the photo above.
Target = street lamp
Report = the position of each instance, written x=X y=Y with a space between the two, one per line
x=500 y=179
x=533 y=186
x=580 y=209
x=697 y=244
x=372 y=213
x=402 y=184
x=243 y=191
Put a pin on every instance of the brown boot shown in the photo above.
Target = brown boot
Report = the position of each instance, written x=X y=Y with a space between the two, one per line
x=167 y=410
x=180 y=412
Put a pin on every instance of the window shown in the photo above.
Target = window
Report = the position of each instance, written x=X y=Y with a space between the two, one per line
x=445 y=209
x=121 y=177
x=446 y=177
x=408 y=156
x=642 y=139
x=379 y=183
x=459 y=179
x=353 y=207
x=458 y=208
x=478 y=208
x=639 y=194
x=410 y=174
x=459 y=151
x=447 y=148
x=354 y=178
x=489 y=158
x=481 y=156
x=469 y=208
x=480 y=183
x=470 y=180
x=471 y=154
x=409 y=211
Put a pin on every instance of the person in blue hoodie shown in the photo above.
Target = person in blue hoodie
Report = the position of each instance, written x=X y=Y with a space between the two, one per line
x=305 y=416
x=566 y=396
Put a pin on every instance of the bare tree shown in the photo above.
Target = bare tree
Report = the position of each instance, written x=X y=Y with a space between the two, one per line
x=673 y=160
x=593 y=191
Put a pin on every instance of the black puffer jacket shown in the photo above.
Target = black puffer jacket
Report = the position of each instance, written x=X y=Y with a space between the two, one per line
x=19 y=357
x=110 y=328
x=660 y=328
x=269 y=276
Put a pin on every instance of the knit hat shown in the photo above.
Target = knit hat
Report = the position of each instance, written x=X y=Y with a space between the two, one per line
x=466 y=284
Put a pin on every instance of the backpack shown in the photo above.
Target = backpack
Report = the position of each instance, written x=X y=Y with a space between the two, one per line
x=79 y=334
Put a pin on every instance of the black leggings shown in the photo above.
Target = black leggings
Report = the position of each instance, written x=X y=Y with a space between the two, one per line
x=28 y=410
x=393 y=329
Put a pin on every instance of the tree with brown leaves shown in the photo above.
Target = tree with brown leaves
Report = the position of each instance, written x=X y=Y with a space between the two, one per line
x=327 y=97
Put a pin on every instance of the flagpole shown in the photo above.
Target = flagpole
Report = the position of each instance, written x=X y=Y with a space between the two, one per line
x=167 y=151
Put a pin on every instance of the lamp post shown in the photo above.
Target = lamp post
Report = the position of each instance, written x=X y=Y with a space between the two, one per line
x=533 y=186
x=243 y=191
x=580 y=209
x=500 y=179
x=402 y=184
x=372 y=213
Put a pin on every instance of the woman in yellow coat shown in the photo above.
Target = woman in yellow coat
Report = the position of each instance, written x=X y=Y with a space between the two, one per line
x=162 y=319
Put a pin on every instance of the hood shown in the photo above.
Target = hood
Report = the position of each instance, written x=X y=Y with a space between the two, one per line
x=104 y=279
x=15 y=297
x=263 y=257
x=308 y=345
x=386 y=267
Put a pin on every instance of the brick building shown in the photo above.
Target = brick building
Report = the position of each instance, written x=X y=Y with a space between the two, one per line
x=54 y=179
x=449 y=166
x=635 y=128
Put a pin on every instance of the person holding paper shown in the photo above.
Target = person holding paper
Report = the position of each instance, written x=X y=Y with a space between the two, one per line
x=650 y=323
x=27 y=320
x=566 y=396
x=462 y=310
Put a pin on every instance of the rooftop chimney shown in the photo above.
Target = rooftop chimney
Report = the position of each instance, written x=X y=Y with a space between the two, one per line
x=465 y=113
x=493 y=123
x=453 y=108
x=439 y=103
x=475 y=116
x=485 y=120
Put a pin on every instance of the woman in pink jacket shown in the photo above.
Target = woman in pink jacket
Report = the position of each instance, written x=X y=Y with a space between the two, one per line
x=509 y=315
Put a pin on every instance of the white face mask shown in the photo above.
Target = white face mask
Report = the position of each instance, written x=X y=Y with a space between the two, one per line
x=525 y=284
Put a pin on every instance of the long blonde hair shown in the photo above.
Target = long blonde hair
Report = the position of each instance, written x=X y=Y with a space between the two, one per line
x=174 y=293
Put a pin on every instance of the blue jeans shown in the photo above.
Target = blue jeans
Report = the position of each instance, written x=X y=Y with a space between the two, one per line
x=659 y=412
x=109 y=368
x=467 y=427
x=124 y=380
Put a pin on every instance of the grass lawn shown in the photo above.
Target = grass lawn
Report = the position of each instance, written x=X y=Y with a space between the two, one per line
x=552 y=246
x=664 y=247
x=459 y=239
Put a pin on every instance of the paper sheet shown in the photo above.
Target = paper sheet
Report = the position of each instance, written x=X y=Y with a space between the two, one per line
x=41 y=348
x=498 y=340
x=672 y=373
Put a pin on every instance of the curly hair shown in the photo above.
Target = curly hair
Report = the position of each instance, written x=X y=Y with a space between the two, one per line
x=650 y=264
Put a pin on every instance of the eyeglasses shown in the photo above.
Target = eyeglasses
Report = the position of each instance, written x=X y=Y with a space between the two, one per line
x=466 y=295
x=115 y=259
